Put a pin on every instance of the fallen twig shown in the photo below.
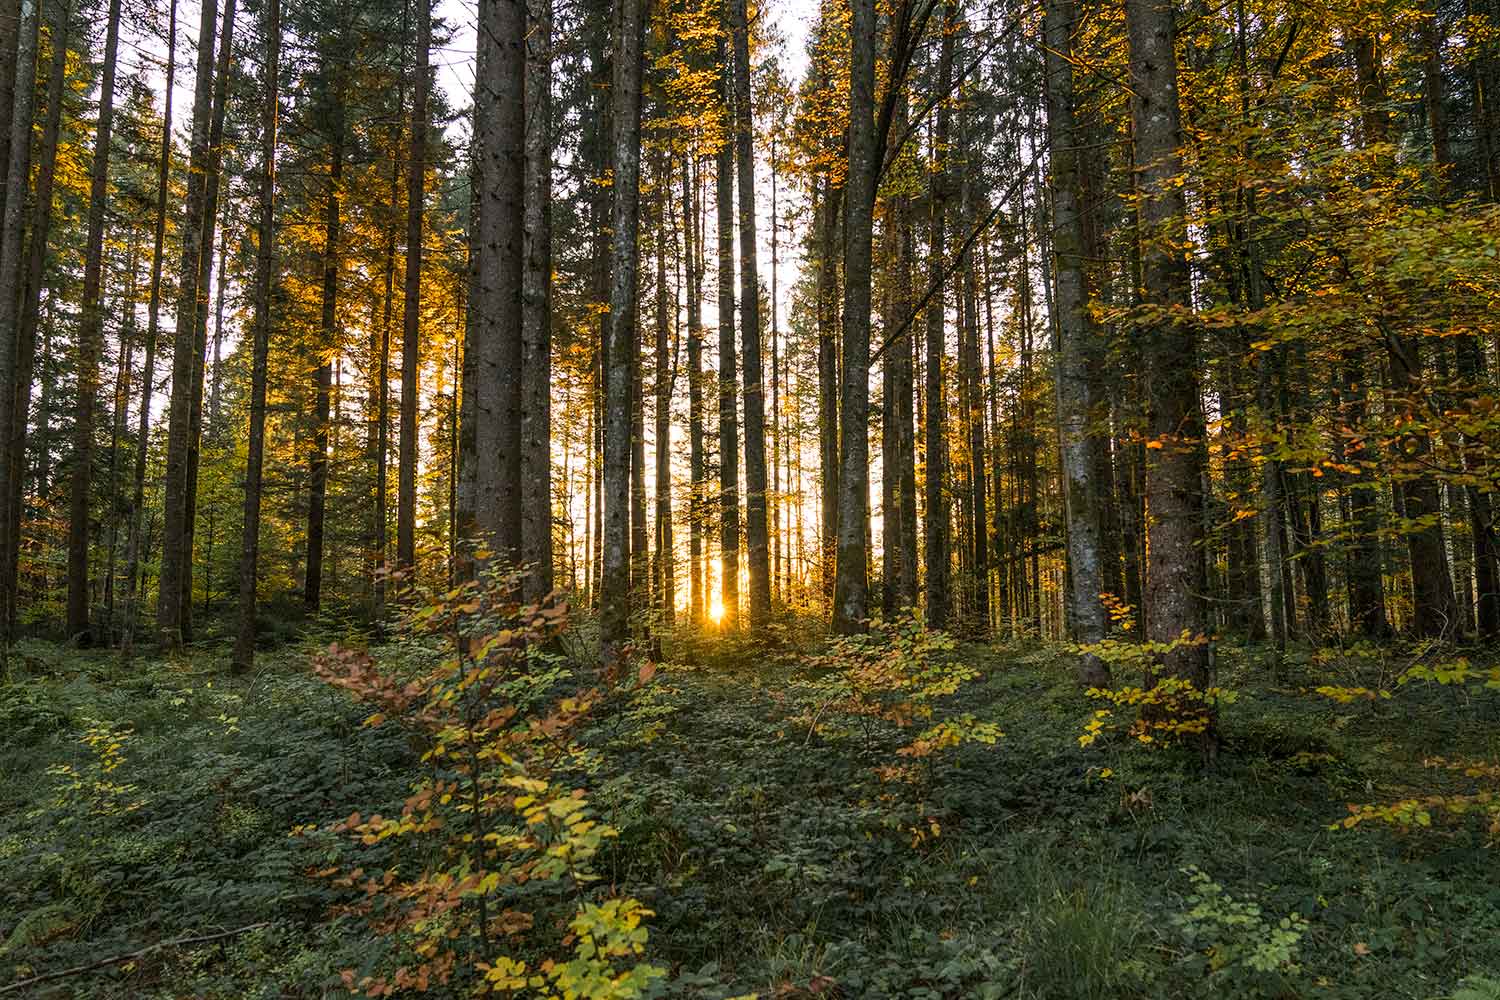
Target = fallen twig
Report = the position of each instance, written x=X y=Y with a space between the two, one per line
x=116 y=960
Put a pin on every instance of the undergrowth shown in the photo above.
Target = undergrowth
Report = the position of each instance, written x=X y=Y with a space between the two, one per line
x=797 y=829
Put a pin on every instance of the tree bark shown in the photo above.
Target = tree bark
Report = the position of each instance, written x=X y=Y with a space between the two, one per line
x=851 y=584
x=12 y=242
x=1174 y=574
x=664 y=572
x=411 y=315
x=729 y=447
x=935 y=527
x=498 y=318
x=1075 y=335
x=756 y=516
x=328 y=346
x=11 y=23
x=698 y=486
x=153 y=327
x=200 y=317
x=614 y=609
x=260 y=326
x=90 y=341
x=536 y=311
x=176 y=558
x=19 y=381
x=828 y=387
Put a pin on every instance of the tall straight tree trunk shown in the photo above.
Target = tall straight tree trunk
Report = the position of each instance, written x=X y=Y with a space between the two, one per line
x=614 y=617
x=211 y=187
x=1481 y=510
x=828 y=388
x=466 y=490
x=756 y=520
x=536 y=310
x=902 y=411
x=698 y=486
x=153 y=328
x=12 y=21
x=890 y=431
x=91 y=341
x=411 y=315
x=260 y=328
x=974 y=418
x=498 y=318
x=31 y=295
x=20 y=79
x=1075 y=336
x=851 y=584
x=729 y=445
x=215 y=389
x=1174 y=574
x=1433 y=605
x=1434 y=608
x=377 y=438
x=778 y=437
x=176 y=557
x=328 y=331
x=935 y=528
x=1273 y=534
x=665 y=571
x=640 y=543
x=129 y=334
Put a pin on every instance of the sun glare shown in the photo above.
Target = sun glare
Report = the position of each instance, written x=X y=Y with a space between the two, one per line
x=716 y=610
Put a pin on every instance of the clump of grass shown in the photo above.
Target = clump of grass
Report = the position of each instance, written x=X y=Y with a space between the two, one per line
x=1081 y=940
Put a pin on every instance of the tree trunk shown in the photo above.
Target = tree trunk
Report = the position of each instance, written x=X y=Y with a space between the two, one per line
x=28 y=289
x=851 y=584
x=1075 y=335
x=664 y=570
x=778 y=438
x=328 y=346
x=12 y=13
x=411 y=314
x=640 y=544
x=536 y=311
x=466 y=490
x=17 y=91
x=153 y=326
x=176 y=557
x=935 y=528
x=498 y=316
x=614 y=613
x=756 y=521
x=1174 y=574
x=903 y=413
x=1470 y=364
x=828 y=387
x=129 y=332
x=200 y=316
x=729 y=447
x=260 y=326
x=698 y=486
x=90 y=342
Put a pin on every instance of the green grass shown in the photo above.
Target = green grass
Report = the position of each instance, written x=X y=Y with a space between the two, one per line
x=777 y=861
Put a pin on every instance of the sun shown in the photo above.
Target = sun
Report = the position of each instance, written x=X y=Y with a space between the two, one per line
x=716 y=610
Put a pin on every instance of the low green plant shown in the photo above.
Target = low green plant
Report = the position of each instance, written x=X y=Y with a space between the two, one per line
x=895 y=672
x=1244 y=952
x=471 y=885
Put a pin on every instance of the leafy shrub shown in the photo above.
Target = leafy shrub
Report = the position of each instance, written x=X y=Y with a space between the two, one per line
x=473 y=883
x=895 y=673
x=1244 y=951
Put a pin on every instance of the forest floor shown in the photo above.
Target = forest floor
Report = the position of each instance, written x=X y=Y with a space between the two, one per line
x=147 y=806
